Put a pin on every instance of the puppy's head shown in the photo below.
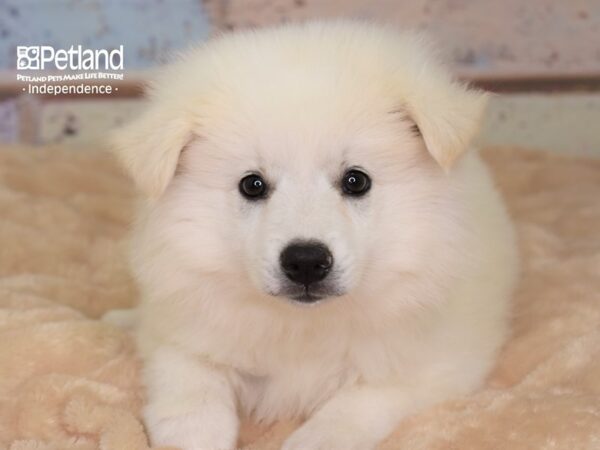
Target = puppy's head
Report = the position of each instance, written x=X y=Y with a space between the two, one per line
x=303 y=162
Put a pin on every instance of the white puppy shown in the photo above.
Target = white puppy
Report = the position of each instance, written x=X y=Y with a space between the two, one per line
x=316 y=242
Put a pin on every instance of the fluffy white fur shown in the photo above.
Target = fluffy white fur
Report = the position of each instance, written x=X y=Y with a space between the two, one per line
x=426 y=260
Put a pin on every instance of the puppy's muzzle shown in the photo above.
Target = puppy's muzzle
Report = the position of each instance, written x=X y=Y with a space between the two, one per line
x=306 y=262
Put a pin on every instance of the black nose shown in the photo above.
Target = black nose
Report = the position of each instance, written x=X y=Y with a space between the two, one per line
x=306 y=262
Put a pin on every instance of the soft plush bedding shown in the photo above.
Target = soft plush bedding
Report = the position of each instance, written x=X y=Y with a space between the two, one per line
x=68 y=381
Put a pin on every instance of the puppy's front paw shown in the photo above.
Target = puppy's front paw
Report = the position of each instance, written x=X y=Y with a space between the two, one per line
x=329 y=435
x=194 y=431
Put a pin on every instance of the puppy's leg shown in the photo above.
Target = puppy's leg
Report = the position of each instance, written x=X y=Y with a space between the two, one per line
x=191 y=404
x=358 y=418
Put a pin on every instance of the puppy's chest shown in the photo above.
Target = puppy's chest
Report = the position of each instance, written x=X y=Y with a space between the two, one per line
x=293 y=390
x=295 y=382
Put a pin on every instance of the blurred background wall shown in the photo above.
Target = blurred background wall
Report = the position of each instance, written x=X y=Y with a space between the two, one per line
x=542 y=57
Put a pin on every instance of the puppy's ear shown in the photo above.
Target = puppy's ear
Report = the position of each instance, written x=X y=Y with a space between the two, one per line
x=149 y=148
x=447 y=115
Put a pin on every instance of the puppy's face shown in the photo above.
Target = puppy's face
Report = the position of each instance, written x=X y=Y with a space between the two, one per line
x=303 y=218
x=306 y=181
x=302 y=207
x=299 y=200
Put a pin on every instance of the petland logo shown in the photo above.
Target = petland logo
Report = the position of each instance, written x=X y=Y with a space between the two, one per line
x=41 y=57
x=76 y=71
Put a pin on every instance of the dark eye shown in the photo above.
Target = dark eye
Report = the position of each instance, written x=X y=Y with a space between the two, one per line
x=253 y=187
x=355 y=183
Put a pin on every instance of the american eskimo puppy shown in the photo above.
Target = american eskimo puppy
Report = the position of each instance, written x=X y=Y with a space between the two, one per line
x=317 y=240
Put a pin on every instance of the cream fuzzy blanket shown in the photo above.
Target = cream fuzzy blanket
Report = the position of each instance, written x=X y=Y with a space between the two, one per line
x=68 y=381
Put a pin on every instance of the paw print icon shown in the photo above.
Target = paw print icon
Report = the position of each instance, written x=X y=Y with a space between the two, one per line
x=28 y=57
